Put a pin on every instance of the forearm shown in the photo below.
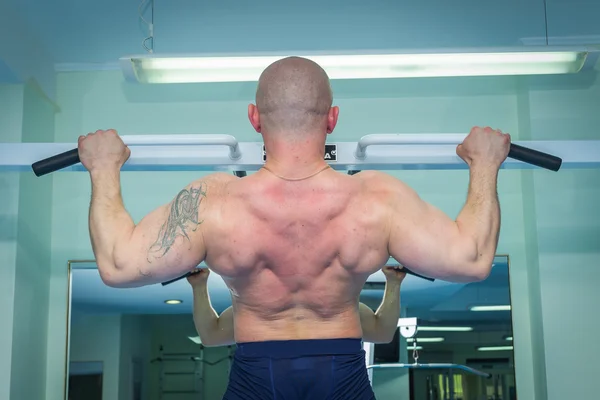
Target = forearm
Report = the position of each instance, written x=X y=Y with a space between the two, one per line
x=206 y=319
x=109 y=222
x=386 y=316
x=479 y=220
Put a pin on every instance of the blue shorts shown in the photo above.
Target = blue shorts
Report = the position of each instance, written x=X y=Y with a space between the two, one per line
x=332 y=369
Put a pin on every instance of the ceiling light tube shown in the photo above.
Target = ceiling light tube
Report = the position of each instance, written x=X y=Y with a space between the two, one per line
x=491 y=308
x=495 y=348
x=444 y=329
x=523 y=60
x=426 y=340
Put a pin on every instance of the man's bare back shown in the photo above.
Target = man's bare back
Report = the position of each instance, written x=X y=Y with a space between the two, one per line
x=295 y=254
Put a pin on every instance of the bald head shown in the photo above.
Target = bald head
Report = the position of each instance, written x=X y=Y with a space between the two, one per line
x=294 y=97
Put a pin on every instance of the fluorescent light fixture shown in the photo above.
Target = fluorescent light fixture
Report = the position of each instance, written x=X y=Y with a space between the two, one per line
x=491 y=308
x=409 y=348
x=426 y=340
x=444 y=329
x=508 y=338
x=495 y=348
x=173 y=301
x=524 y=60
x=195 y=339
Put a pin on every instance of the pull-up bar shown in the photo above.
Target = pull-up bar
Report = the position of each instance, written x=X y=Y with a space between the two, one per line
x=386 y=152
x=521 y=153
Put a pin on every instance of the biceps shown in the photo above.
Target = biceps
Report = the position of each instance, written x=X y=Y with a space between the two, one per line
x=168 y=241
x=427 y=241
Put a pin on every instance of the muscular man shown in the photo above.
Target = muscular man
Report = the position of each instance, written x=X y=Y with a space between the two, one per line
x=296 y=241
x=377 y=327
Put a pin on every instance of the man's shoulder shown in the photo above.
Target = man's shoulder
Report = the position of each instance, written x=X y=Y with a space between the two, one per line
x=383 y=186
x=379 y=181
x=215 y=183
x=371 y=176
x=217 y=179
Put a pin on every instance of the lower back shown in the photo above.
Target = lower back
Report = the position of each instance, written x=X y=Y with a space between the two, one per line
x=310 y=303
x=251 y=326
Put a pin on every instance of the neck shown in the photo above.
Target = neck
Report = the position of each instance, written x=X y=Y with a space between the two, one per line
x=294 y=160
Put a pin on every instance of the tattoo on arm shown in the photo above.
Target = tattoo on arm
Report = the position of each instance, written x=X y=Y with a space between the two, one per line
x=183 y=218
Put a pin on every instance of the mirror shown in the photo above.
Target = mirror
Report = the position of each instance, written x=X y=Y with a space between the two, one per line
x=145 y=341
x=463 y=325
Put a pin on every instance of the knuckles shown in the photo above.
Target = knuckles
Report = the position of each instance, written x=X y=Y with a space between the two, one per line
x=100 y=132
x=108 y=132
x=488 y=130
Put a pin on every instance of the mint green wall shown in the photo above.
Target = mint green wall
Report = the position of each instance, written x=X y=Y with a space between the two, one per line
x=26 y=205
x=100 y=100
x=568 y=232
x=33 y=257
x=11 y=121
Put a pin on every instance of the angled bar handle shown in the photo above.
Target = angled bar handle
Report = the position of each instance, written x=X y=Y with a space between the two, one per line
x=71 y=157
x=517 y=152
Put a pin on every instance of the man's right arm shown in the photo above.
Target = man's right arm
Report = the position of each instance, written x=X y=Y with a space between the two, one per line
x=427 y=241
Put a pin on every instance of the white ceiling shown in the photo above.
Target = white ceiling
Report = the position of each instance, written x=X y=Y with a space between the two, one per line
x=435 y=301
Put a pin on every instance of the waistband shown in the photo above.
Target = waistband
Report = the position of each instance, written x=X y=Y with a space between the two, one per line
x=300 y=348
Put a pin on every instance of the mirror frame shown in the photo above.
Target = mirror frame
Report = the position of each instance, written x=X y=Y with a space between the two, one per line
x=68 y=320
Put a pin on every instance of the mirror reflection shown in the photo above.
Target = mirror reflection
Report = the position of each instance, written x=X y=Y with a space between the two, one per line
x=143 y=343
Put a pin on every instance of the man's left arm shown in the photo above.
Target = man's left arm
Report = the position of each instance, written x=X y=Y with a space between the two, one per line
x=165 y=244
x=380 y=326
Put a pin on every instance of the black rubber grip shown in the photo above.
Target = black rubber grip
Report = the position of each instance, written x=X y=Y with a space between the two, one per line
x=177 y=279
x=54 y=163
x=534 y=157
x=409 y=272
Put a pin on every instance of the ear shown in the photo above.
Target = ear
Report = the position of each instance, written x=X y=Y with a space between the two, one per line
x=332 y=118
x=254 y=117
